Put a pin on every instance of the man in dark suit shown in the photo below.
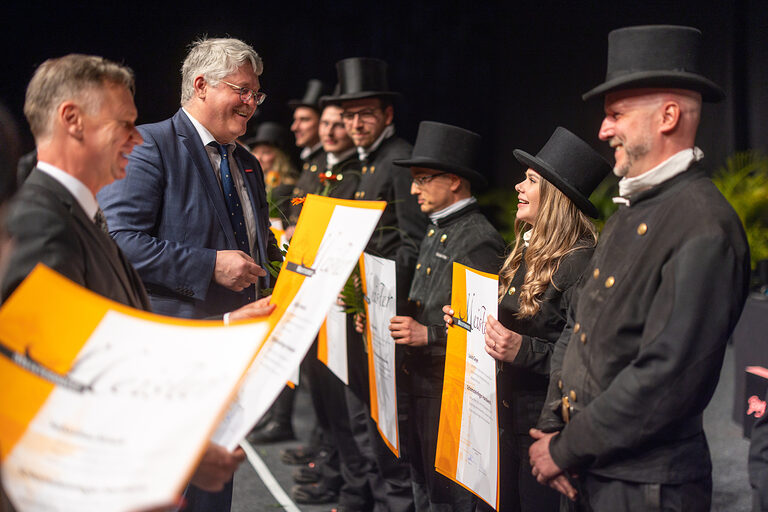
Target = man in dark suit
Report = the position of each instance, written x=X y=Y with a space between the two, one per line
x=192 y=215
x=81 y=112
x=368 y=114
x=662 y=294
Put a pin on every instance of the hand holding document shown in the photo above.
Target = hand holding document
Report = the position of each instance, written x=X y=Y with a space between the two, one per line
x=103 y=407
x=468 y=435
x=379 y=289
x=329 y=238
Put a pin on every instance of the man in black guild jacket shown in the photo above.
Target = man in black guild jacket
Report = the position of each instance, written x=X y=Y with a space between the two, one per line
x=443 y=169
x=641 y=353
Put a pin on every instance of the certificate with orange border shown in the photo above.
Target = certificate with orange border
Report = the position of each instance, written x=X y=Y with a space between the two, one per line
x=329 y=238
x=104 y=407
x=332 y=343
x=378 y=280
x=468 y=435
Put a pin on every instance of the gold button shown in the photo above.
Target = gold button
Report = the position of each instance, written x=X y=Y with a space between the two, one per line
x=642 y=229
x=328 y=174
x=418 y=266
x=365 y=169
x=505 y=403
x=373 y=168
x=339 y=177
x=431 y=232
x=418 y=303
x=512 y=290
x=572 y=394
x=560 y=384
x=565 y=409
x=609 y=282
x=357 y=195
x=306 y=166
x=596 y=273
x=313 y=168
x=577 y=327
x=443 y=238
x=583 y=337
x=429 y=270
x=362 y=194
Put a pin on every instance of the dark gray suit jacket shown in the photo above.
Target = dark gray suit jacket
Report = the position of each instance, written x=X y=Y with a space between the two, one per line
x=50 y=227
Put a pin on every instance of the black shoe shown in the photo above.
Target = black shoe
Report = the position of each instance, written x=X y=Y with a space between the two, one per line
x=273 y=432
x=312 y=494
x=309 y=474
x=299 y=456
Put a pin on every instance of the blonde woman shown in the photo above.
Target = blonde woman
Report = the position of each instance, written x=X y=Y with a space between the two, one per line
x=553 y=243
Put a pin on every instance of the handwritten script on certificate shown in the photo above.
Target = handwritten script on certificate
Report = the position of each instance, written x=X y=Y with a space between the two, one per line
x=380 y=303
x=467 y=445
x=144 y=394
x=343 y=239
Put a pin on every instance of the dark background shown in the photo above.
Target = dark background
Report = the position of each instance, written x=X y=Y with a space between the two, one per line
x=511 y=71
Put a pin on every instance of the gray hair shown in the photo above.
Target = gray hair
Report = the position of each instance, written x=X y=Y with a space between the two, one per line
x=72 y=77
x=214 y=59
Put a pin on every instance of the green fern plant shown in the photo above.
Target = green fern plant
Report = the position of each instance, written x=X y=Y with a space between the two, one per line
x=743 y=180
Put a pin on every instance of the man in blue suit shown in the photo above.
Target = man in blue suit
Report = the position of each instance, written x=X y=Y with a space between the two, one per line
x=192 y=214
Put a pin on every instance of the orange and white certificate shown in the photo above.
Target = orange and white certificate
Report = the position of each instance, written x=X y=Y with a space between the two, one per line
x=468 y=436
x=378 y=276
x=329 y=238
x=104 y=407
x=332 y=343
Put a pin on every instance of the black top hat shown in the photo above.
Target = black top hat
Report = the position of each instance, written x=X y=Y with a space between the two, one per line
x=571 y=165
x=330 y=99
x=268 y=133
x=362 y=77
x=446 y=148
x=315 y=89
x=655 y=56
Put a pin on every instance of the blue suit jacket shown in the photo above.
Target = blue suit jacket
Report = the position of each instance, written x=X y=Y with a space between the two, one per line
x=169 y=217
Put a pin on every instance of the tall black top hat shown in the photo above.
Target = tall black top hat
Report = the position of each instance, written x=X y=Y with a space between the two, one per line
x=268 y=133
x=571 y=165
x=655 y=56
x=446 y=148
x=311 y=99
x=330 y=99
x=362 y=77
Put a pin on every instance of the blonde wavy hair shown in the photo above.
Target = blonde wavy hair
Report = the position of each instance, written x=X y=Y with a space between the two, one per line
x=559 y=229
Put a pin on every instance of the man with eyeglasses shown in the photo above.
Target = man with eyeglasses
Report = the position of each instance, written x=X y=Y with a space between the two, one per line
x=368 y=115
x=192 y=215
x=444 y=170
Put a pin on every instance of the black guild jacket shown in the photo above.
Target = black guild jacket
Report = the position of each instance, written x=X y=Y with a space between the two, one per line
x=465 y=237
x=343 y=188
x=308 y=182
x=522 y=384
x=402 y=225
x=642 y=351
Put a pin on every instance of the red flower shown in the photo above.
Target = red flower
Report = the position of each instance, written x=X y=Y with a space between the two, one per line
x=298 y=200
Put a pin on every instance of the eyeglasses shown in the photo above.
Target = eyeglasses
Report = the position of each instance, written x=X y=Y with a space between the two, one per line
x=423 y=180
x=246 y=94
x=367 y=116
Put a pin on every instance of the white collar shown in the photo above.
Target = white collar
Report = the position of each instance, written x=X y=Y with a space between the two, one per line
x=308 y=150
x=458 y=205
x=332 y=159
x=385 y=134
x=527 y=237
x=74 y=186
x=672 y=166
x=205 y=136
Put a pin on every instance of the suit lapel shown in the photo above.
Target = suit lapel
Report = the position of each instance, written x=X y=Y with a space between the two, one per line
x=99 y=241
x=189 y=138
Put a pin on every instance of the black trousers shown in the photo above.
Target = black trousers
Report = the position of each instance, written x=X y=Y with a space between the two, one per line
x=441 y=492
x=599 y=494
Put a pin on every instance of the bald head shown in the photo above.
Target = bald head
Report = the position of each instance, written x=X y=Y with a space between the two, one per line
x=647 y=126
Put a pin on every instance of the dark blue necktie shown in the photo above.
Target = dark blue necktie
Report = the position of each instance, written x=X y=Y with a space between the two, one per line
x=236 y=216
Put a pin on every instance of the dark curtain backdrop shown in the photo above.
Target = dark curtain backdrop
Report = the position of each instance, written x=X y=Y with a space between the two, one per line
x=511 y=71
